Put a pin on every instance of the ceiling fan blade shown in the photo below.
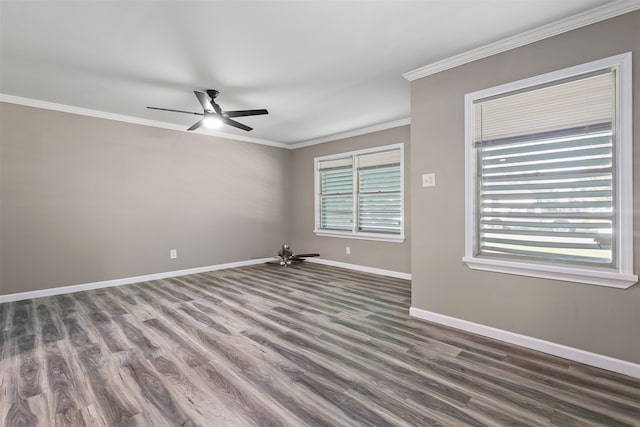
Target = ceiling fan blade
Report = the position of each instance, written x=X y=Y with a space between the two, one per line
x=196 y=125
x=307 y=255
x=242 y=113
x=174 y=111
x=204 y=101
x=236 y=124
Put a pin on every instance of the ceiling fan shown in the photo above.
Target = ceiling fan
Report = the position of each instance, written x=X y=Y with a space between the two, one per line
x=213 y=116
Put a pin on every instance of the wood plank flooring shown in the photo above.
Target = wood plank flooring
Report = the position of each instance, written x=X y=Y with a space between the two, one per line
x=263 y=345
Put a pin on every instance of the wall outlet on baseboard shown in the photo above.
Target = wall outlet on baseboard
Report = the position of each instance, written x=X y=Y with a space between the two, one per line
x=173 y=253
x=347 y=250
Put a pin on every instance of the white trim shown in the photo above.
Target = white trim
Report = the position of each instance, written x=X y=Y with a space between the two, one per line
x=623 y=61
x=387 y=147
x=29 y=102
x=621 y=276
x=609 y=10
x=349 y=134
x=594 y=359
x=589 y=276
x=157 y=276
x=361 y=236
x=125 y=281
x=363 y=268
x=130 y=119
x=624 y=163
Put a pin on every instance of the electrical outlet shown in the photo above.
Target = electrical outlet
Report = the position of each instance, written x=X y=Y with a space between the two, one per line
x=173 y=253
x=347 y=250
x=429 y=180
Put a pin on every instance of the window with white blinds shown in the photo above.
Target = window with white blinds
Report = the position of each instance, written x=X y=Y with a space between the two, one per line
x=546 y=171
x=360 y=194
x=336 y=194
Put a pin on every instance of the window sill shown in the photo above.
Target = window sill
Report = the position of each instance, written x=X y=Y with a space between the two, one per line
x=591 y=276
x=361 y=236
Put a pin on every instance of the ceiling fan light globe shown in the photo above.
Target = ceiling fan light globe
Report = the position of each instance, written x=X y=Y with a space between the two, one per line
x=212 y=122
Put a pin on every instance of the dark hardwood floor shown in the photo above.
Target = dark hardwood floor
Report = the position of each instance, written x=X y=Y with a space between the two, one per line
x=263 y=345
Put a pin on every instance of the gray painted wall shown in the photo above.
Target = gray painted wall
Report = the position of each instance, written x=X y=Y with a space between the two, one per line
x=85 y=199
x=384 y=255
x=598 y=319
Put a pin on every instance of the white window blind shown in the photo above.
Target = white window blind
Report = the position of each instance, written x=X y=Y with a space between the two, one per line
x=360 y=194
x=545 y=171
x=379 y=192
x=336 y=194
x=577 y=102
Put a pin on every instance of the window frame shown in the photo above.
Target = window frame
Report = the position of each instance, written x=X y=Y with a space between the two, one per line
x=354 y=233
x=619 y=275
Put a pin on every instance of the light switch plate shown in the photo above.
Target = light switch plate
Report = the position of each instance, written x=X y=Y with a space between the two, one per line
x=429 y=180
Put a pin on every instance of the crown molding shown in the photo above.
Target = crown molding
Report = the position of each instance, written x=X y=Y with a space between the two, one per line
x=11 y=99
x=36 y=103
x=356 y=132
x=583 y=19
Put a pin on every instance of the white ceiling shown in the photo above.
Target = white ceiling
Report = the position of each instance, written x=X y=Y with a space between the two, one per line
x=320 y=67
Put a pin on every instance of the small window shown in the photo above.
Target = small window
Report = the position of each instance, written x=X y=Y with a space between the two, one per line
x=360 y=194
x=549 y=176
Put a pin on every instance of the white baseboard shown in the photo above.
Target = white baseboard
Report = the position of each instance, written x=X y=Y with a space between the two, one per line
x=155 y=276
x=575 y=354
x=124 y=281
x=380 y=271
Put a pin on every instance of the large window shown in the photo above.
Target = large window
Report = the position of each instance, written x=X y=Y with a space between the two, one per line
x=360 y=194
x=549 y=175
